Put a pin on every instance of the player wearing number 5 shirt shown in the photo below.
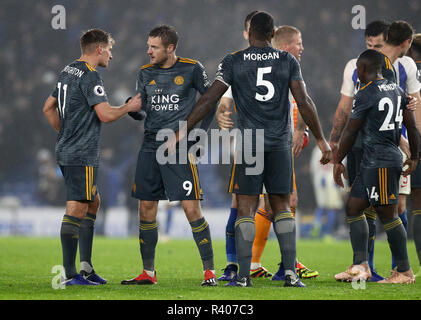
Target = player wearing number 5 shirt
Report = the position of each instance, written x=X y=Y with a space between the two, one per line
x=260 y=77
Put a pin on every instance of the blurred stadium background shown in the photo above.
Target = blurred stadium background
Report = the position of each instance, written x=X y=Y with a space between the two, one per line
x=32 y=196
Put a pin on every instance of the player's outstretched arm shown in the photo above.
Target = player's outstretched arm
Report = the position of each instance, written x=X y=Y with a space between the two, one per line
x=343 y=110
x=203 y=106
x=223 y=113
x=309 y=113
x=107 y=113
x=136 y=115
x=345 y=144
x=51 y=112
x=206 y=103
x=413 y=139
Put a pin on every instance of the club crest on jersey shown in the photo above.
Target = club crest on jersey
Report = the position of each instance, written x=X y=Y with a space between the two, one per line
x=99 y=91
x=179 y=80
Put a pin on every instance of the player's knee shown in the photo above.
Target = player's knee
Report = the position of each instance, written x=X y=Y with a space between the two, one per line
x=147 y=210
x=94 y=206
x=77 y=209
x=416 y=198
x=351 y=210
x=268 y=208
x=293 y=202
x=401 y=208
x=193 y=213
x=293 y=199
x=234 y=201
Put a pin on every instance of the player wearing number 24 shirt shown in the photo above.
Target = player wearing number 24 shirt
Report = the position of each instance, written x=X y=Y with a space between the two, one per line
x=380 y=107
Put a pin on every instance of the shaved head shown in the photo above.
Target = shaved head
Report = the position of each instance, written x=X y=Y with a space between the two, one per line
x=372 y=60
x=369 y=65
x=284 y=35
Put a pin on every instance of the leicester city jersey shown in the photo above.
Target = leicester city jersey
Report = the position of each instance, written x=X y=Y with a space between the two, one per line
x=380 y=103
x=78 y=89
x=351 y=83
x=259 y=79
x=168 y=96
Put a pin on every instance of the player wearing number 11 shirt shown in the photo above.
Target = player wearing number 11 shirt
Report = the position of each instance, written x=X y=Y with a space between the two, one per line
x=76 y=109
x=260 y=77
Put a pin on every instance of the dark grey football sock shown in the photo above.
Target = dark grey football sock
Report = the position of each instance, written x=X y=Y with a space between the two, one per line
x=284 y=227
x=69 y=234
x=371 y=221
x=358 y=233
x=86 y=236
x=244 y=236
x=416 y=225
x=396 y=236
x=202 y=237
x=148 y=238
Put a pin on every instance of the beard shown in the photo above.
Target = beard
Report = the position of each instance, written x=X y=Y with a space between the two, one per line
x=160 y=62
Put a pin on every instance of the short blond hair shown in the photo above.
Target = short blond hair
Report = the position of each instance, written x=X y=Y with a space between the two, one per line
x=283 y=35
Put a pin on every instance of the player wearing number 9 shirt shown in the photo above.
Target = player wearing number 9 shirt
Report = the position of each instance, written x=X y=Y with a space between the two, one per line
x=260 y=77
x=378 y=112
x=168 y=86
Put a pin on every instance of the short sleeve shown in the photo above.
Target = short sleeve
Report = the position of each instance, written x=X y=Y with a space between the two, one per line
x=412 y=83
x=140 y=88
x=348 y=84
x=93 y=89
x=295 y=70
x=55 y=92
x=200 y=78
x=228 y=94
x=225 y=70
x=361 y=106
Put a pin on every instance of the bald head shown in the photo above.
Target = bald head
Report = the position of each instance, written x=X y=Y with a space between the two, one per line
x=288 y=38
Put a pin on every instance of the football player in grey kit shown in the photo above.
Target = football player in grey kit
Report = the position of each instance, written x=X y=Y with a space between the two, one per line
x=260 y=77
x=76 y=109
x=168 y=86
x=380 y=107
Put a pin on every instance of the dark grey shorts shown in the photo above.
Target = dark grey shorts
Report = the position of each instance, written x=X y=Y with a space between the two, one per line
x=380 y=186
x=154 y=181
x=80 y=182
x=277 y=175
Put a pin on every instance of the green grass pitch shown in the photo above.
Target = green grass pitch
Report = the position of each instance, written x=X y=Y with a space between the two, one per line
x=26 y=272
